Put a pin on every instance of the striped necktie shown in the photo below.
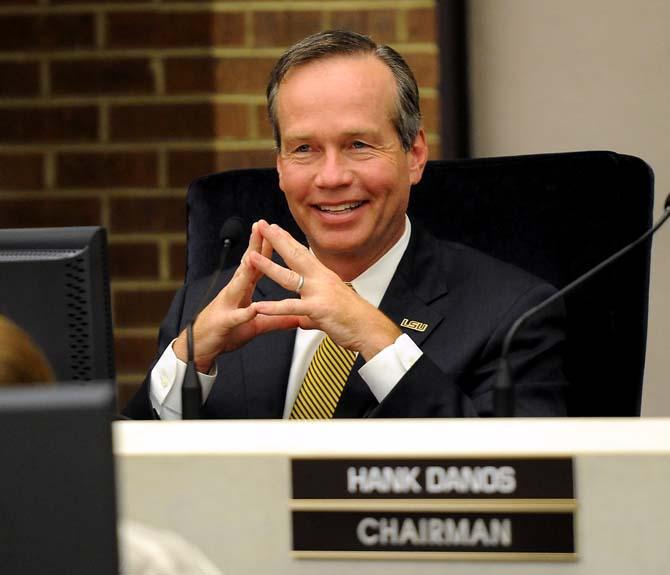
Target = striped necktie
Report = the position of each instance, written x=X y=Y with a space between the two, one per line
x=323 y=384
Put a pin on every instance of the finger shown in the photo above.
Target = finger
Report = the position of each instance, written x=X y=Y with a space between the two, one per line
x=283 y=276
x=289 y=306
x=255 y=239
x=266 y=248
x=296 y=255
x=232 y=294
x=256 y=244
x=265 y=323
x=248 y=275
x=238 y=316
x=237 y=292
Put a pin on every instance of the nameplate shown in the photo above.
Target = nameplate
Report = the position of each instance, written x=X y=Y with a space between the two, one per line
x=432 y=478
x=433 y=508
x=433 y=535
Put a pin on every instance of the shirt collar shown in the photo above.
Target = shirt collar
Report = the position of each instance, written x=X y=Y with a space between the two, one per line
x=372 y=283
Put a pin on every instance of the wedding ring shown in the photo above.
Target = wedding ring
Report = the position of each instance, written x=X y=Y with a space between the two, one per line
x=301 y=283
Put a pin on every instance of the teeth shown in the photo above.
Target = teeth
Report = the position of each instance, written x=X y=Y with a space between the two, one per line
x=340 y=207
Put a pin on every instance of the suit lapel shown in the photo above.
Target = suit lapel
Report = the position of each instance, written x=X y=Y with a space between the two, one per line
x=419 y=281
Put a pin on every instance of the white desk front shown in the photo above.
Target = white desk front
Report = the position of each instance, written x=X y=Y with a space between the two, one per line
x=226 y=486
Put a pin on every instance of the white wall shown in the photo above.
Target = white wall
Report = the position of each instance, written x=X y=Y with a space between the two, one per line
x=561 y=75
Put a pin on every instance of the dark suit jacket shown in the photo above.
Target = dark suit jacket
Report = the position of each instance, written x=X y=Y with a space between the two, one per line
x=468 y=301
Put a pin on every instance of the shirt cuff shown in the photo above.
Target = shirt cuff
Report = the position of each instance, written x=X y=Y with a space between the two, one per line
x=389 y=366
x=166 y=378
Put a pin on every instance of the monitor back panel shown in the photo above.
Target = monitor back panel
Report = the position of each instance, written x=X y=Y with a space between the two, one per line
x=57 y=488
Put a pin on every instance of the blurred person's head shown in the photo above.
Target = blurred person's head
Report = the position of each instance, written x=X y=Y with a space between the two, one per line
x=21 y=360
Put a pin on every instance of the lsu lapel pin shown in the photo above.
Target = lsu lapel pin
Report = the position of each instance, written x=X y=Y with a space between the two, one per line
x=413 y=324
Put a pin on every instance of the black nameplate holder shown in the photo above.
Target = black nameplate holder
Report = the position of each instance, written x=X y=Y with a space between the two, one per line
x=458 y=509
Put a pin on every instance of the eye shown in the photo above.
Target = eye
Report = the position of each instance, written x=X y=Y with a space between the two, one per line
x=303 y=148
x=358 y=145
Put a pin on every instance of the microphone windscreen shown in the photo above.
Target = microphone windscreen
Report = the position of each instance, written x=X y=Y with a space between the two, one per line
x=233 y=230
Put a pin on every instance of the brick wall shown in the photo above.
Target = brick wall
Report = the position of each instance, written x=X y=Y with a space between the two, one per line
x=109 y=108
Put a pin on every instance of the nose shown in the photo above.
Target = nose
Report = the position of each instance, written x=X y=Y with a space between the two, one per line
x=333 y=171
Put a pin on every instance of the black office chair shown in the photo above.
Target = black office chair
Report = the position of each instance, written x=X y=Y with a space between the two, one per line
x=555 y=215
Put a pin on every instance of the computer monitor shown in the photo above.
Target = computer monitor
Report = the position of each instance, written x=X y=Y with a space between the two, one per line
x=54 y=284
x=57 y=488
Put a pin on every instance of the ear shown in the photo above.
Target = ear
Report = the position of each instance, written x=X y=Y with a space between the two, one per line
x=278 y=163
x=417 y=157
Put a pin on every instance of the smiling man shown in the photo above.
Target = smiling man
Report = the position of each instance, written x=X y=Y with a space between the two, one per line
x=376 y=318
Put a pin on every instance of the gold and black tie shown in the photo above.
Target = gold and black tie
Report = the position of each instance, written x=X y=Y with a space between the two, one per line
x=323 y=384
x=324 y=381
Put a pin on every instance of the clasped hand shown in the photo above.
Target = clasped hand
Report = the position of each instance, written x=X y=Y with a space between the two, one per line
x=325 y=302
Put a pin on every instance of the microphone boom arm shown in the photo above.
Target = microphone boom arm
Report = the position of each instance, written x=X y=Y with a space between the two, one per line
x=503 y=393
x=191 y=390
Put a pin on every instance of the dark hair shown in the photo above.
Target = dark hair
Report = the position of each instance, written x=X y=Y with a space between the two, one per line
x=407 y=120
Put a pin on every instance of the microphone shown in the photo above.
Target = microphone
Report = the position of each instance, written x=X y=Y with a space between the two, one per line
x=232 y=231
x=503 y=392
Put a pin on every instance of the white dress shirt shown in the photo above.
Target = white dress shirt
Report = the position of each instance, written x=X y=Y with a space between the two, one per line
x=381 y=373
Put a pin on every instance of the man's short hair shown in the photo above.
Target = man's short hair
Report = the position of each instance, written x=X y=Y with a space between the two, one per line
x=407 y=118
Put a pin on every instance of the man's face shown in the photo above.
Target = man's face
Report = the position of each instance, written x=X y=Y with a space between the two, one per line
x=341 y=165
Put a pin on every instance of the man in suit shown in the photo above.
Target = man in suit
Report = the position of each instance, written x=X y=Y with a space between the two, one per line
x=421 y=320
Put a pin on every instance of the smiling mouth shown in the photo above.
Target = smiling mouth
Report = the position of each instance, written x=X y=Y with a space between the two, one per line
x=340 y=208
